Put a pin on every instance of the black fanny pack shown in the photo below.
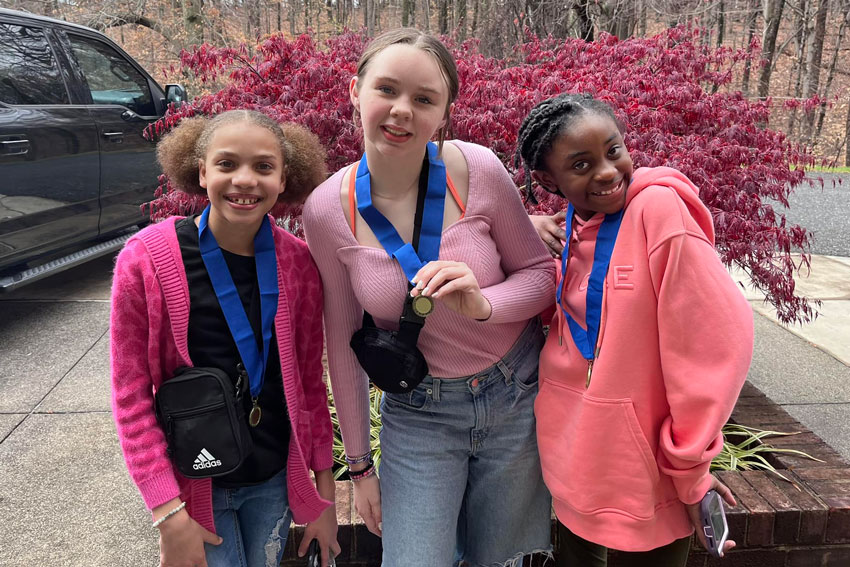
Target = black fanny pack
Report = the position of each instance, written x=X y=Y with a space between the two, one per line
x=204 y=422
x=391 y=359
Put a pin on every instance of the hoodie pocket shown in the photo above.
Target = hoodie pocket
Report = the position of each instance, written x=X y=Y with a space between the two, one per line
x=595 y=457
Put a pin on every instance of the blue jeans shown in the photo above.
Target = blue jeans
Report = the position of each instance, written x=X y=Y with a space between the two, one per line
x=460 y=473
x=253 y=521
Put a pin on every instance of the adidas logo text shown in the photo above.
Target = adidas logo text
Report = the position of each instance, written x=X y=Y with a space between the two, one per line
x=205 y=460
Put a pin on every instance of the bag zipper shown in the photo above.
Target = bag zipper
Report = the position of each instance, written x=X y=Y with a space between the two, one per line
x=195 y=411
x=171 y=418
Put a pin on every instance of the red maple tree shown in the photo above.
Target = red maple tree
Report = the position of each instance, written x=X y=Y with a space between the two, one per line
x=668 y=90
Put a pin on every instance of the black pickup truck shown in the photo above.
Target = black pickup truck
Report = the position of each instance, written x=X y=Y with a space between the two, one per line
x=74 y=166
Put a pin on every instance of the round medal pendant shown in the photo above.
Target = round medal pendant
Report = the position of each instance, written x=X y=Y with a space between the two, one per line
x=255 y=415
x=422 y=305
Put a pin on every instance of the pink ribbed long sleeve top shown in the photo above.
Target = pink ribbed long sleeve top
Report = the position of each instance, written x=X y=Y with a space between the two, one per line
x=495 y=239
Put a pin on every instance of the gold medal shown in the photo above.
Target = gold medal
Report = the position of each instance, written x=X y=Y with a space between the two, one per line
x=255 y=415
x=422 y=305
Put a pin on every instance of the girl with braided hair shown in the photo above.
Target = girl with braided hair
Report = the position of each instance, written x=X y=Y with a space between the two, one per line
x=648 y=349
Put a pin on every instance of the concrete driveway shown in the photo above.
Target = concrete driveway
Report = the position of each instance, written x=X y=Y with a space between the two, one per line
x=65 y=496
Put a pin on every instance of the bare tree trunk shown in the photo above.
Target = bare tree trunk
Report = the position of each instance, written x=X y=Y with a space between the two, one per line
x=721 y=22
x=460 y=15
x=621 y=22
x=847 y=138
x=252 y=20
x=426 y=14
x=291 y=15
x=752 y=16
x=585 y=23
x=831 y=74
x=443 y=16
x=371 y=25
x=773 y=16
x=641 y=18
x=813 y=64
x=319 y=19
x=801 y=38
x=405 y=11
x=476 y=6
x=193 y=21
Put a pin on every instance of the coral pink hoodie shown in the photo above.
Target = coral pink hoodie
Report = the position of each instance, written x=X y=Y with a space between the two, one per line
x=675 y=343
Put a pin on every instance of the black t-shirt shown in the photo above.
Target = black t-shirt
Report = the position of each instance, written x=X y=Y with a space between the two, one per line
x=211 y=344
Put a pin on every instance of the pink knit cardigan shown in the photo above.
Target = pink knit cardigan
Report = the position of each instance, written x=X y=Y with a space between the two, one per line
x=149 y=340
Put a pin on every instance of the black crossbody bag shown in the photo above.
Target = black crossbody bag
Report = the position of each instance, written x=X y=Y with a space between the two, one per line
x=203 y=418
x=391 y=359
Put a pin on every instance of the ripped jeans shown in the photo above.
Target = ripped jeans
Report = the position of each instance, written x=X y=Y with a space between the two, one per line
x=460 y=473
x=253 y=521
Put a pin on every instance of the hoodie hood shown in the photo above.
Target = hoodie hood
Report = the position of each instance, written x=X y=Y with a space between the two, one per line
x=668 y=177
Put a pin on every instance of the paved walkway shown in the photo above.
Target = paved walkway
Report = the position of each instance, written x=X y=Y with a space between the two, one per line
x=806 y=368
x=66 y=500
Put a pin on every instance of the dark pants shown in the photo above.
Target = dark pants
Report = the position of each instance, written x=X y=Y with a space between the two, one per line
x=574 y=551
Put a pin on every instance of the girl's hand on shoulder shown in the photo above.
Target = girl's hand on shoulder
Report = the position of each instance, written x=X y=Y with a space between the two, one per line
x=694 y=513
x=551 y=231
x=453 y=284
x=181 y=540
x=367 y=502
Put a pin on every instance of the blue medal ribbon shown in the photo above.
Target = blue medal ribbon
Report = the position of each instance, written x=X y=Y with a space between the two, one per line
x=228 y=297
x=585 y=340
x=432 y=221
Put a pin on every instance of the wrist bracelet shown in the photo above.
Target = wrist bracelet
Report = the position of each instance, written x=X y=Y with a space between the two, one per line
x=157 y=523
x=360 y=475
x=358 y=460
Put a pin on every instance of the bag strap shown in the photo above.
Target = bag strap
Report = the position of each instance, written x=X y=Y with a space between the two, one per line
x=410 y=324
x=352 y=201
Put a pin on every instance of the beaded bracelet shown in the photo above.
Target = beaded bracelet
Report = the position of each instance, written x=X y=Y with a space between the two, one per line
x=157 y=523
x=360 y=475
x=358 y=460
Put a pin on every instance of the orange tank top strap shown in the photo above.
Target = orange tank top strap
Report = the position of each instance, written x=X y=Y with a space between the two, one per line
x=352 y=198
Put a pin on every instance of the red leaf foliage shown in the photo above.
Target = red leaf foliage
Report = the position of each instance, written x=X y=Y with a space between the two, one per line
x=664 y=88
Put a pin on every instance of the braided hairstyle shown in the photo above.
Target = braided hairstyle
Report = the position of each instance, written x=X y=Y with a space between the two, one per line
x=545 y=122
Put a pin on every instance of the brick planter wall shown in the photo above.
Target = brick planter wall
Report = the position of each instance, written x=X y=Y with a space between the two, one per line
x=802 y=523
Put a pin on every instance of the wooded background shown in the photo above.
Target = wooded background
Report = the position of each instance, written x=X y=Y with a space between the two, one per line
x=803 y=43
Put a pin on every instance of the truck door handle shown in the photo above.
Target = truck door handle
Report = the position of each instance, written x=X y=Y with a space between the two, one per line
x=115 y=137
x=15 y=147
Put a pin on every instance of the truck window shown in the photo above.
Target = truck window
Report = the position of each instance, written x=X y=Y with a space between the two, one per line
x=110 y=77
x=28 y=70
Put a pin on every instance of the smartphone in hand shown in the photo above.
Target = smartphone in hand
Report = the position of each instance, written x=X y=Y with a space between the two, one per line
x=314 y=554
x=714 y=525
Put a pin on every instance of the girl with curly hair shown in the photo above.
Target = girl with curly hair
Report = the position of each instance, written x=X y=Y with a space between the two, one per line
x=182 y=292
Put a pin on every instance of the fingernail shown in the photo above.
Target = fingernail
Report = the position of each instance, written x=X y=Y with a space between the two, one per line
x=419 y=284
x=414 y=281
x=381 y=526
x=435 y=294
x=425 y=291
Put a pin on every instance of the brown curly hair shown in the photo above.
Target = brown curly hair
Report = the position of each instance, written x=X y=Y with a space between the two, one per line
x=180 y=150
